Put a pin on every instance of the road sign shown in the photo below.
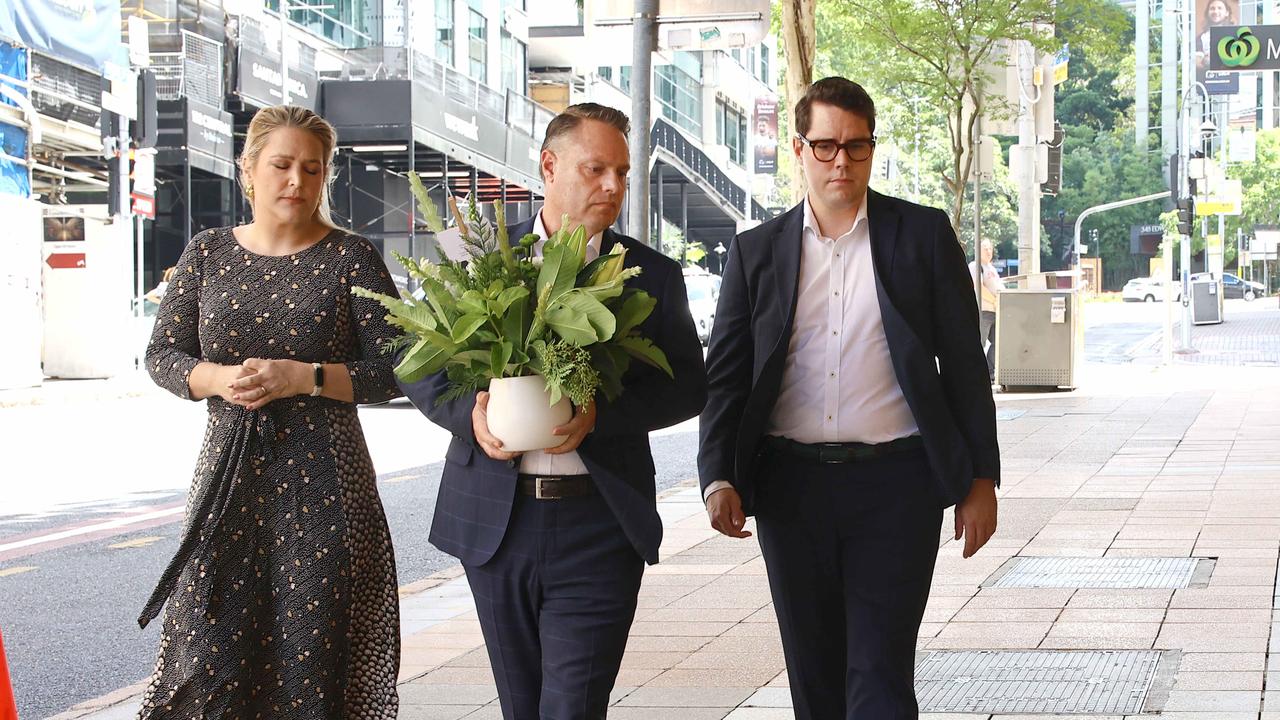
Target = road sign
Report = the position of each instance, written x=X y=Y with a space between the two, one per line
x=65 y=261
x=144 y=205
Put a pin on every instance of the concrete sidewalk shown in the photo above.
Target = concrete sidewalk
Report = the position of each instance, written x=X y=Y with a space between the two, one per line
x=1137 y=466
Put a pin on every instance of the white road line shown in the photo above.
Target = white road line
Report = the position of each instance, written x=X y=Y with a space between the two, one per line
x=98 y=527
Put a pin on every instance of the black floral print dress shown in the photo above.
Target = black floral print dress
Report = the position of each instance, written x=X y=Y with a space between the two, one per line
x=281 y=599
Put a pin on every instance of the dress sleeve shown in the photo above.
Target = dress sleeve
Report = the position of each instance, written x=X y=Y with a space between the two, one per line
x=372 y=379
x=174 y=349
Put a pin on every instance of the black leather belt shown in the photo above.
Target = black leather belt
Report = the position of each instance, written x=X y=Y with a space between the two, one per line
x=556 y=487
x=847 y=452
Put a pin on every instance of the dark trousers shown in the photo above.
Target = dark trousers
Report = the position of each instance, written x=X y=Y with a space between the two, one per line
x=987 y=329
x=850 y=550
x=555 y=605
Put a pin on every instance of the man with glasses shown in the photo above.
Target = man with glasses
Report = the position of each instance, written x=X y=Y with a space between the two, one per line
x=847 y=408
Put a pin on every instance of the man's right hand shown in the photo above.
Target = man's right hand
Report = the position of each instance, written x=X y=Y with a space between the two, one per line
x=490 y=444
x=724 y=508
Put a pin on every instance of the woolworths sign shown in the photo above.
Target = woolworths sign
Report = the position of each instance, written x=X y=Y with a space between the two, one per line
x=1243 y=48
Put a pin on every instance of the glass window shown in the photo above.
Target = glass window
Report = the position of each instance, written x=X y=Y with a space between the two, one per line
x=678 y=87
x=605 y=72
x=478 y=46
x=444 y=31
x=764 y=64
x=624 y=78
x=514 y=71
x=731 y=130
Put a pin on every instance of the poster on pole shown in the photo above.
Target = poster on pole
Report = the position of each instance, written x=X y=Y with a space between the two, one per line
x=765 y=135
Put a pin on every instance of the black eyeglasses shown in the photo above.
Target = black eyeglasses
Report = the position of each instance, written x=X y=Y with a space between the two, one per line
x=826 y=150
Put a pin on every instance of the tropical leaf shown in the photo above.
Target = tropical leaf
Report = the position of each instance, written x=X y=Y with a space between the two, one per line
x=473 y=303
x=636 y=308
x=499 y=356
x=499 y=306
x=559 y=269
x=643 y=349
x=597 y=314
x=425 y=204
x=422 y=360
x=571 y=325
x=466 y=325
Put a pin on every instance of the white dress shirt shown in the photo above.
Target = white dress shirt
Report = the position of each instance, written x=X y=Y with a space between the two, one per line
x=838 y=383
x=538 y=462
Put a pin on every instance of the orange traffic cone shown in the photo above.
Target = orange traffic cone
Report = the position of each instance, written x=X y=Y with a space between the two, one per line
x=8 y=706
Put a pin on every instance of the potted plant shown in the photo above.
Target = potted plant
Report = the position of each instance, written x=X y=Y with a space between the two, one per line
x=536 y=332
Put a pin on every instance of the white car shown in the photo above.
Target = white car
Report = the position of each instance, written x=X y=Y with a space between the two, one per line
x=703 y=290
x=1145 y=289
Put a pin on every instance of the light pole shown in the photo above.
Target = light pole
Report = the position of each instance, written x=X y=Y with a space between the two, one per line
x=1183 y=139
x=720 y=250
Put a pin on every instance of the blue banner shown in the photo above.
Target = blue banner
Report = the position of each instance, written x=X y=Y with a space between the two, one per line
x=85 y=33
x=13 y=64
x=15 y=179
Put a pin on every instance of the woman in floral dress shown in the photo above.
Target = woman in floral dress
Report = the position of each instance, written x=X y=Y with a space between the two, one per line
x=281 y=599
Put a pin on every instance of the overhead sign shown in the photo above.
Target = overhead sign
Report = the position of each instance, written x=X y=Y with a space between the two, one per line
x=682 y=25
x=259 y=81
x=1244 y=48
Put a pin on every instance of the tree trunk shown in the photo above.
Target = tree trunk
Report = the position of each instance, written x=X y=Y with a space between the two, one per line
x=799 y=42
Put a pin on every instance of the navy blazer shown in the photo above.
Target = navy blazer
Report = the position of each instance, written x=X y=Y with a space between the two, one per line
x=930 y=321
x=476 y=491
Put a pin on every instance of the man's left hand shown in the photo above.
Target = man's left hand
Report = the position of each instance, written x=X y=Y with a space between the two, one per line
x=583 y=422
x=976 y=516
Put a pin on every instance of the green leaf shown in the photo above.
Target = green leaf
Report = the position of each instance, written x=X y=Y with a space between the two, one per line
x=571 y=325
x=635 y=309
x=408 y=315
x=499 y=356
x=425 y=204
x=442 y=302
x=559 y=270
x=515 y=323
x=504 y=300
x=422 y=360
x=611 y=362
x=643 y=349
x=466 y=325
x=473 y=303
x=597 y=314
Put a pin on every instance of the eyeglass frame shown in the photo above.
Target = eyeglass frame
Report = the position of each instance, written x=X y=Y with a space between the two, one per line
x=870 y=143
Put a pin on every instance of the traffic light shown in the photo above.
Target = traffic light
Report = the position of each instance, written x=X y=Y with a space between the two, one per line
x=1186 y=214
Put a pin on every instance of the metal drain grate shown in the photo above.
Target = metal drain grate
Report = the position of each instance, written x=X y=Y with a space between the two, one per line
x=1111 y=573
x=1076 y=682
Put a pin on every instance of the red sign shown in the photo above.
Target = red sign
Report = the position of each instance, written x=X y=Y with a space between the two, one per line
x=65 y=261
x=144 y=205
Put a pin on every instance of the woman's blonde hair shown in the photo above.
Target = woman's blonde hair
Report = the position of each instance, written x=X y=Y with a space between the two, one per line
x=269 y=119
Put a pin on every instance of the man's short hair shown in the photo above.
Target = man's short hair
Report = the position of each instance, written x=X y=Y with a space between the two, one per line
x=574 y=115
x=839 y=92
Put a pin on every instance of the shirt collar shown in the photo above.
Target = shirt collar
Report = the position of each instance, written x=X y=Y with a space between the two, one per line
x=811 y=222
x=541 y=231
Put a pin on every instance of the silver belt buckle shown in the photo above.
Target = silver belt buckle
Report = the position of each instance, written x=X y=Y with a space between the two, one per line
x=537 y=489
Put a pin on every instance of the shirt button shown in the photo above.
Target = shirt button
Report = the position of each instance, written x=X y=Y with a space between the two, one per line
x=828 y=418
x=837 y=292
x=833 y=332
x=833 y=374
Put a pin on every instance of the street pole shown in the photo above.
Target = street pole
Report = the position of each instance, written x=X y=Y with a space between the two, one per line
x=644 y=42
x=1184 y=175
x=284 y=62
x=1028 y=187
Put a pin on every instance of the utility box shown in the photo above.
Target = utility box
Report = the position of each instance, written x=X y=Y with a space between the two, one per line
x=1039 y=338
x=1206 y=301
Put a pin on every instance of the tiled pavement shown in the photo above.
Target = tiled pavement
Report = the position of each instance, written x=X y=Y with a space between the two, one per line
x=1153 y=464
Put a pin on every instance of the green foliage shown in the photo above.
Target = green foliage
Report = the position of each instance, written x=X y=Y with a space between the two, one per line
x=503 y=313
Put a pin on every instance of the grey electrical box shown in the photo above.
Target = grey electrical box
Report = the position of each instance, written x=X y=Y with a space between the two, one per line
x=1039 y=338
x=1206 y=302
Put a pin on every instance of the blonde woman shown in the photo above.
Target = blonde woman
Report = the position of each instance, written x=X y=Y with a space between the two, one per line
x=281 y=599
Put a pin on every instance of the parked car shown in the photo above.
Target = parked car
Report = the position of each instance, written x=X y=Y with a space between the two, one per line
x=1146 y=289
x=1236 y=287
x=703 y=290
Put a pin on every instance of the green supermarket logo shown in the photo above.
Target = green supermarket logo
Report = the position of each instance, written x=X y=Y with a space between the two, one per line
x=1240 y=50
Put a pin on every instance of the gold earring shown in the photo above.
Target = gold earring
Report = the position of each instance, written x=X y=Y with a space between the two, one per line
x=248 y=191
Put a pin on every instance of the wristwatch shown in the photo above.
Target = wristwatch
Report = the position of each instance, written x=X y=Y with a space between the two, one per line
x=319 y=381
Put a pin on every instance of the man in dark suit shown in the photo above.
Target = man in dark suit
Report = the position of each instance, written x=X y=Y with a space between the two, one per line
x=848 y=405
x=554 y=542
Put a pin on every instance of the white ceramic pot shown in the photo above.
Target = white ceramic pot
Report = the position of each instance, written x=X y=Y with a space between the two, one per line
x=521 y=414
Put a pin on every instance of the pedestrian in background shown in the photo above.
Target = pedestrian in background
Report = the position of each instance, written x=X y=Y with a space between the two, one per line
x=282 y=595
x=988 y=290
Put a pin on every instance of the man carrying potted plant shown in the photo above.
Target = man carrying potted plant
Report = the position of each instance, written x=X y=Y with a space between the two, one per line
x=554 y=541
